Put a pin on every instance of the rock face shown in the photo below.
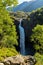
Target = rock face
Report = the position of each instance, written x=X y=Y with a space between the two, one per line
x=19 y=60
x=28 y=26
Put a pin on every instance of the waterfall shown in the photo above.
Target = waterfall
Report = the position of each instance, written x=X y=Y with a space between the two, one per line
x=22 y=39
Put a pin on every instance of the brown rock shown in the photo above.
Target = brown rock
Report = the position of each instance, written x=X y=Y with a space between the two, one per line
x=1 y=63
x=19 y=60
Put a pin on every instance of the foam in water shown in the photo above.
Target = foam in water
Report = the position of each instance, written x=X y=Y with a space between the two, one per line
x=22 y=39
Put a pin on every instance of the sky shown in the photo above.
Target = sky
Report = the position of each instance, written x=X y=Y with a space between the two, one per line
x=20 y=1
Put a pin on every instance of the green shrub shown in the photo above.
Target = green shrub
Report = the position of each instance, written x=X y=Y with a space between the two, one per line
x=7 y=52
x=37 y=38
x=39 y=59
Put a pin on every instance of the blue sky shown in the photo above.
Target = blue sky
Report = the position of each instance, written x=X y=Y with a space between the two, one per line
x=20 y=1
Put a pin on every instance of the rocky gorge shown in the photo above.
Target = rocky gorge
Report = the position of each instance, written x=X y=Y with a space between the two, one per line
x=27 y=25
x=29 y=21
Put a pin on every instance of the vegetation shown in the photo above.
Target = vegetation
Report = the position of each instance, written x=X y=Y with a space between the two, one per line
x=37 y=38
x=37 y=34
x=7 y=52
x=8 y=34
x=39 y=59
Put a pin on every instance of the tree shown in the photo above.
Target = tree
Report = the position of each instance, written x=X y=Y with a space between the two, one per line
x=37 y=38
x=8 y=34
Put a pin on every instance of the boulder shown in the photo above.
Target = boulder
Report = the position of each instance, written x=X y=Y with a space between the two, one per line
x=20 y=60
x=1 y=63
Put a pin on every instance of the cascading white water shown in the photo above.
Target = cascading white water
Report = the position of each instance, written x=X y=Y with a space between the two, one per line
x=22 y=39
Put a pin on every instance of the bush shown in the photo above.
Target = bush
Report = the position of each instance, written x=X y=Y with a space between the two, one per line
x=7 y=52
x=37 y=38
x=39 y=59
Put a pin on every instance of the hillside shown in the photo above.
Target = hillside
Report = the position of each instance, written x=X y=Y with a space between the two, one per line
x=27 y=6
x=35 y=4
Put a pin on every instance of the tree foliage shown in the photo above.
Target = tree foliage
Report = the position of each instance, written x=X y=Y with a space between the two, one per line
x=8 y=35
x=39 y=59
x=37 y=38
